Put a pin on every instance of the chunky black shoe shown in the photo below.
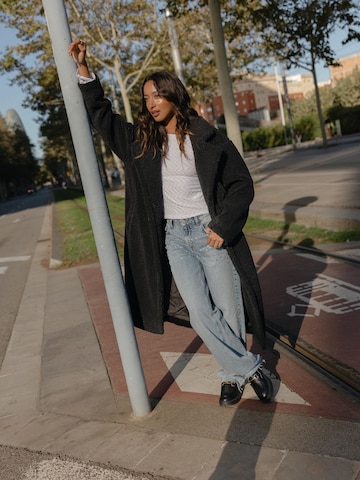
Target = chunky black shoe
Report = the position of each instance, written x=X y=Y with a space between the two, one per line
x=262 y=386
x=230 y=393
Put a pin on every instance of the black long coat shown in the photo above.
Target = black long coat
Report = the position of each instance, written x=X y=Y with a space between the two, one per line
x=228 y=190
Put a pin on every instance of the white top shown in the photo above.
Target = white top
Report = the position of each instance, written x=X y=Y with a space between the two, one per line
x=183 y=197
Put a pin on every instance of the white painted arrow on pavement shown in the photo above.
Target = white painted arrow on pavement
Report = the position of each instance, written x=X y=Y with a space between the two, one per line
x=196 y=373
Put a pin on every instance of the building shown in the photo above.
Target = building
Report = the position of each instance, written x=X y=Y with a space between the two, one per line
x=346 y=68
x=13 y=121
x=258 y=97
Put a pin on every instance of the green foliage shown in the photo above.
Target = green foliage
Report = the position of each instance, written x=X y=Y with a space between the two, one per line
x=349 y=118
x=263 y=137
x=270 y=137
x=346 y=91
x=128 y=39
x=341 y=102
x=18 y=167
x=297 y=33
x=299 y=30
x=125 y=41
x=308 y=127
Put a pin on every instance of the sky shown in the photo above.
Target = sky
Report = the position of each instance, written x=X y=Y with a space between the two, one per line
x=13 y=97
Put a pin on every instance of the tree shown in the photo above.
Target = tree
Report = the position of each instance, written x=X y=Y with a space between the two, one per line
x=297 y=33
x=220 y=49
x=347 y=90
x=244 y=46
x=123 y=36
x=18 y=167
x=126 y=39
x=230 y=112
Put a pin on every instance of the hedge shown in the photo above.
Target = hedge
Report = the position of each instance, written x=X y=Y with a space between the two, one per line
x=349 y=118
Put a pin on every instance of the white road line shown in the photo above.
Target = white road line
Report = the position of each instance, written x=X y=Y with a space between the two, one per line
x=21 y=258
x=3 y=270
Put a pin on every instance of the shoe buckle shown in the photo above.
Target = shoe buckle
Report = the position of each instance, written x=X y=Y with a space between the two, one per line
x=233 y=384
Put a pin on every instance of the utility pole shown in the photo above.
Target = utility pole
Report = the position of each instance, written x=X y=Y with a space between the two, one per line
x=287 y=99
x=96 y=201
x=175 y=51
x=281 y=106
x=230 y=111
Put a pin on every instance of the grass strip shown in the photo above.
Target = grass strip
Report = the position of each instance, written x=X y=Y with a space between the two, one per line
x=298 y=234
x=74 y=223
x=79 y=244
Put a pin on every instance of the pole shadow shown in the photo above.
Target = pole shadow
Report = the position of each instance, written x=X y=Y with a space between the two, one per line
x=275 y=271
x=170 y=377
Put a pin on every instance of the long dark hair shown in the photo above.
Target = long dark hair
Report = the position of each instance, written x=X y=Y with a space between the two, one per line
x=151 y=134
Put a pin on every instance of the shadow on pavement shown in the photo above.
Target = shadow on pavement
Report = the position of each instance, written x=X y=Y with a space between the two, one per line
x=251 y=426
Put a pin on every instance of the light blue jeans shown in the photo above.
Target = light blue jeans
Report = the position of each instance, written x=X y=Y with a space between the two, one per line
x=211 y=290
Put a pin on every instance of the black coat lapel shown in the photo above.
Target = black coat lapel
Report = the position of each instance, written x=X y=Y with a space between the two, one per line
x=149 y=171
x=207 y=158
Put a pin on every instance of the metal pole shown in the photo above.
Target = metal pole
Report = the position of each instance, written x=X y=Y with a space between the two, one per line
x=281 y=106
x=230 y=111
x=175 y=51
x=96 y=201
x=287 y=99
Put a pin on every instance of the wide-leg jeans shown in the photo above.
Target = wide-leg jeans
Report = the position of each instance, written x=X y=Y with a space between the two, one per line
x=211 y=289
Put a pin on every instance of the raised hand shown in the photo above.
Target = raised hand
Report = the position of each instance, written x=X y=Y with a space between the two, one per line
x=77 y=50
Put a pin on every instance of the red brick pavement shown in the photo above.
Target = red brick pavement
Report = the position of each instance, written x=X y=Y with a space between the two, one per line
x=323 y=398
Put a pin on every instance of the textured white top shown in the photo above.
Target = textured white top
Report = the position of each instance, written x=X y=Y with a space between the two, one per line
x=183 y=197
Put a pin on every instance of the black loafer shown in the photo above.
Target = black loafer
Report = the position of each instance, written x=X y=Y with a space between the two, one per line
x=230 y=394
x=262 y=386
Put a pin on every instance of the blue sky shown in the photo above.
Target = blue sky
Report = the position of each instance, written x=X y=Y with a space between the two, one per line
x=13 y=97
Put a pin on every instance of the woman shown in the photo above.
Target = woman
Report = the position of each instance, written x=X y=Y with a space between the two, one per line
x=188 y=193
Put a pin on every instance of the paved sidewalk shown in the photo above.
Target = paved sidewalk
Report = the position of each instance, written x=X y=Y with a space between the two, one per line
x=59 y=394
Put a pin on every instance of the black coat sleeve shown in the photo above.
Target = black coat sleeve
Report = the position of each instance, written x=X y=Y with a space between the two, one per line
x=234 y=191
x=113 y=128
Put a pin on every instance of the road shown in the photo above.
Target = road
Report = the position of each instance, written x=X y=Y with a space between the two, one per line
x=304 y=172
x=20 y=224
x=336 y=157
x=312 y=186
x=331 y=177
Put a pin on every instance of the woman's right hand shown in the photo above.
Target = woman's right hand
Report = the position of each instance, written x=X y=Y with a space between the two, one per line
x=77 y=50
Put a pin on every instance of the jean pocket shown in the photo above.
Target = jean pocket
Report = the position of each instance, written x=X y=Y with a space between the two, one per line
x=205 y=220
x=205 y=223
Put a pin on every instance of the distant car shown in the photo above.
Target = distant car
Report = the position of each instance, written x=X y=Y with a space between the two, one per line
x=30 y=190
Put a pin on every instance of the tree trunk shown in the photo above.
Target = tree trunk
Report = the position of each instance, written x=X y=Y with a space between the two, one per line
x=230 y=112
x=318 y=103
